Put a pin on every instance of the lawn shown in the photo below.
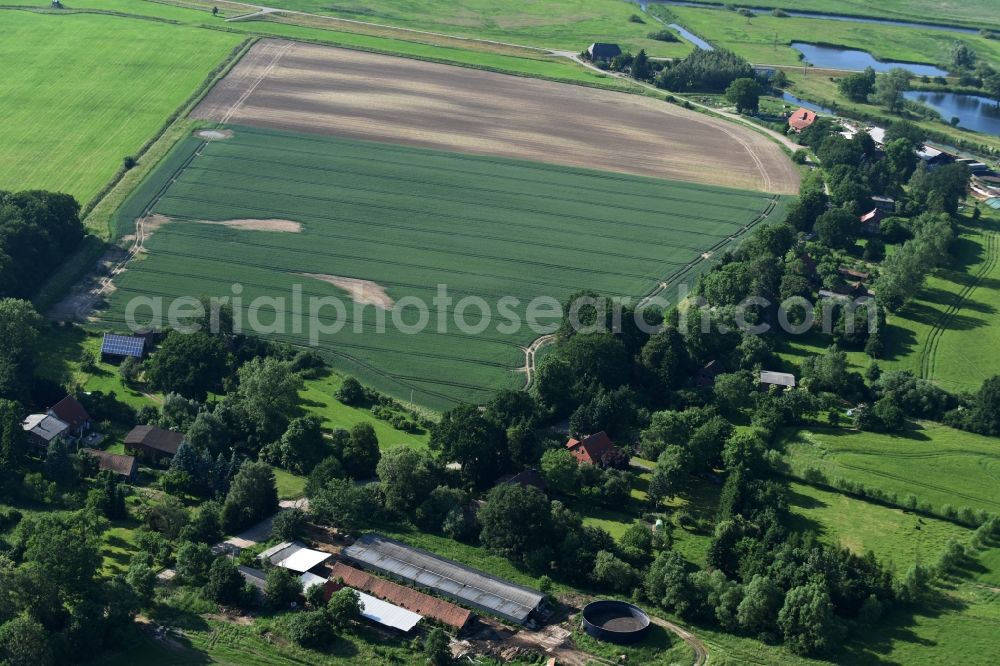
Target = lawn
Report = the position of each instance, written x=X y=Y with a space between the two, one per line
x=765 y=39
x=290 y=486
x=318 y=398
x=975 y=13
x=937 y=464
x=898 y=538
x=90 y=90
x=62 y=350
x=410 y=220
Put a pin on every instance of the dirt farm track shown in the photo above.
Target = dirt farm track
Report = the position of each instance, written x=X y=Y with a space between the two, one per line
x=287 y=85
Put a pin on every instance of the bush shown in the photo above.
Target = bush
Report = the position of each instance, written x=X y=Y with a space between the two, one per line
x=351 y=392
x=663 y=36
x=289 y=525
x=310 y=629
x=800 y=156
x=635 y=18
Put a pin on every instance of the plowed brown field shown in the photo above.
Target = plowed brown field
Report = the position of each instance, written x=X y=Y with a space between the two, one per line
x=303 y=87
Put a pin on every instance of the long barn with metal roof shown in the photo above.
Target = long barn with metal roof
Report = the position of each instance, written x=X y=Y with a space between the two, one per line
x=466 y=585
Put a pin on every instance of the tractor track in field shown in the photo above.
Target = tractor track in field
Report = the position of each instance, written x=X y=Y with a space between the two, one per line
x=928 y=352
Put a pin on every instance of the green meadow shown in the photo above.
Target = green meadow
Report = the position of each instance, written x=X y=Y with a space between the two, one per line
x=90 y=90
x=936 y=464
x=899 y=538
x=950 y=332
x=974 y=13
x=409 y=220
x=766 y=39
x=571 y=25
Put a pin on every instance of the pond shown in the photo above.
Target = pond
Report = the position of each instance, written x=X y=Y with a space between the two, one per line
x=975 y=112
x=828 y=17
x=836 y=57
x=792 y=99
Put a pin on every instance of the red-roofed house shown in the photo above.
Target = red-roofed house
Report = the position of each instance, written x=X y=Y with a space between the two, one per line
x=871 y=222
x=591 y=449
x=801 y=119
x=71 y=412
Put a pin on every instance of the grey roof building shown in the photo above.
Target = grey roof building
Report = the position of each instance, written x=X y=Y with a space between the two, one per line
x=784 y=379
x=43 y=428
x=466 y=585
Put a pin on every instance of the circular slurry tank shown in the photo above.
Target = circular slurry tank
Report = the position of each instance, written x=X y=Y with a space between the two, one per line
x=615 y=621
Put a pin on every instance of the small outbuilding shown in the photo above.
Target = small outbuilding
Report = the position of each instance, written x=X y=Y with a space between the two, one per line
x=871 y=222
x=152 y=443
x=884 y=203
x=294 y=556
x=603 y=51
x=782 y=380
x=705 y=378
x=127 y=467
x=118 y=347
x=527 y=478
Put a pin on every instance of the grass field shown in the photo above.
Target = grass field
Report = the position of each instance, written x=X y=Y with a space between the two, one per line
x=197 y=13
x=975 y=13
x=561 y=24
x=897 y=538
x=937 y=464
x=408 y=220
x=89 y=91
x=950 y=331
x=765 y=39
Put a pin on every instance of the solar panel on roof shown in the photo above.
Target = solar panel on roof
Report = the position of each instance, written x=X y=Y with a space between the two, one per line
x=123 y=345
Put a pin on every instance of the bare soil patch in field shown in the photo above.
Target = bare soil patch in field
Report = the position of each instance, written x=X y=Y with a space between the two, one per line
x=326 y=90
x=280 y=226
x=214 y=135
x=363 y=292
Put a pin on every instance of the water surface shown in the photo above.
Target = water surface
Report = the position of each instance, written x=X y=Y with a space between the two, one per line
x=974 y=112
x=836 y=57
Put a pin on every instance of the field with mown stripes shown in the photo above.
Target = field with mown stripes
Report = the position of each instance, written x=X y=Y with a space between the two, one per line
x=89 y=90
x=937 y=464
x=407 y=220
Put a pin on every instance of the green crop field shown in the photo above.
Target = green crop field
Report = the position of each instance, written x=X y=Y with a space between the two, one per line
x=90 y=90
x=409 y=220
x=937 y=464
x=765 y=38
x=976 y=13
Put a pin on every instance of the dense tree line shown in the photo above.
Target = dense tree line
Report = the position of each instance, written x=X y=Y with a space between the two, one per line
x=38 y=231
x=704 y=71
